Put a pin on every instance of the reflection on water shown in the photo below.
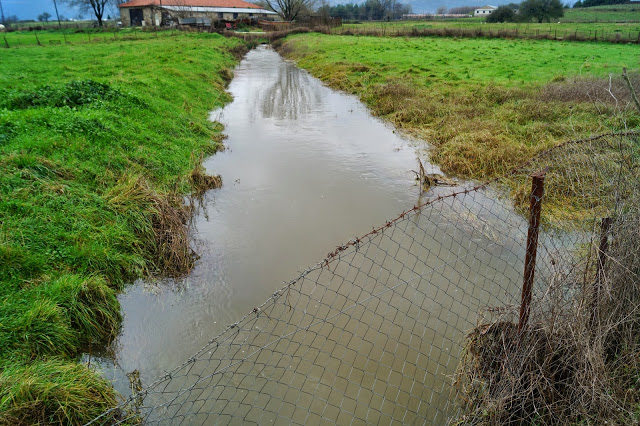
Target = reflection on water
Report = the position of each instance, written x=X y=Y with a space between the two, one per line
x=290 y=95
x=307 y=169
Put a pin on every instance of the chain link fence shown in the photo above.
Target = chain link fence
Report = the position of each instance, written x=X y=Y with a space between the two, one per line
x=409 y=323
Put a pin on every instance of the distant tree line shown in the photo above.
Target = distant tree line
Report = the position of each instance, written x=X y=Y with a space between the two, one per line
x=537 y=10
x=589 y=3
x=463 y=10
x=376 y=10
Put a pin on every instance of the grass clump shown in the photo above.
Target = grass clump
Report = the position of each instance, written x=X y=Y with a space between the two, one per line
x=52 y=392
x=97 y=149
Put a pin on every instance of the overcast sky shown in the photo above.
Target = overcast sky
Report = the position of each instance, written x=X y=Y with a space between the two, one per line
x=30 y=9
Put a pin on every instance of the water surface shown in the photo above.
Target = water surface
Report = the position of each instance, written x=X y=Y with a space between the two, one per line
x=306 y=169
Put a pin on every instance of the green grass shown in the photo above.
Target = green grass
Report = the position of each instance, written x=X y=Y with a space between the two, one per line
x=97 y=142
x=583 y=23
x=612 y=13
x=481 y=103
x=54 y=37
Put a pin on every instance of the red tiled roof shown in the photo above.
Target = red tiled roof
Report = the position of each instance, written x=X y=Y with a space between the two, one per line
x=187 y=3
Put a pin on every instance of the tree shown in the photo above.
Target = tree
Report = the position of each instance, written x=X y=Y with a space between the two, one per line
x=542 y=10
x=97 y=7
x=463 y=10
x=441 y=10
x=289 y=9
x=44 y=17
x=577 y=4
x=502 y=14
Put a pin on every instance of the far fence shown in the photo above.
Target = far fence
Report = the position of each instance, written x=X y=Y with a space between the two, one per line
x=488 y=31
x=275 y=29
x=55 y=38
x=389 y=327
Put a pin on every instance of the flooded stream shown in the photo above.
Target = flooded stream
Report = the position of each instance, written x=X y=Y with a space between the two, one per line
x=306 y=169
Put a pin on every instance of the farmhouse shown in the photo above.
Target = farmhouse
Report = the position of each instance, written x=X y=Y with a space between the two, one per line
x=172 y=12
x=484 y=11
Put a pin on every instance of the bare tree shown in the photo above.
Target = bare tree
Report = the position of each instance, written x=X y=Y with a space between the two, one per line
x=97 y=7
x=44 y=17
x=289 y=9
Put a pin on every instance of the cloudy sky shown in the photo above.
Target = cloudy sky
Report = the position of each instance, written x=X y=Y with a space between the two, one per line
x=30 y=9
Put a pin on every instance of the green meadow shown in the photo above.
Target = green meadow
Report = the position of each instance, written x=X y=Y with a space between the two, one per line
x=484 y=105
x=583 y=22
x=99 y=142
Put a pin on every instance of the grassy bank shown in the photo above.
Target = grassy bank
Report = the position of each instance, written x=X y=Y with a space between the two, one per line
x=484 y=105
x=98 y=142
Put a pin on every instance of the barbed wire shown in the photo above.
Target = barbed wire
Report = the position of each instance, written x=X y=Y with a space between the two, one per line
x=378 y=331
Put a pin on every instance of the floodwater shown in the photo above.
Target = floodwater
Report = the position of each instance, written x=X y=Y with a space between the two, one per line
x=306 y=169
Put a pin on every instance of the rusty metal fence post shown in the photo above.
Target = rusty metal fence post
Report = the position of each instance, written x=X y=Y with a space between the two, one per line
x=605 y=228
x=535 y=207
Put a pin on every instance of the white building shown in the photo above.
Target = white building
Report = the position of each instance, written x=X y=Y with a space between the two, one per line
x=484 y=11
x=203 y=12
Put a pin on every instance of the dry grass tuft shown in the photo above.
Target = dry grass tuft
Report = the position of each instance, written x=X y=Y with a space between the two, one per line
x=201 y=182
x=603 y=92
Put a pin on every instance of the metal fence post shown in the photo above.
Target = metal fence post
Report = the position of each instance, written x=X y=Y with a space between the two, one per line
x=605 y=228
x=535 y=207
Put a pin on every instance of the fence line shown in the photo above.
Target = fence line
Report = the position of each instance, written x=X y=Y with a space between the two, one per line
x=629 y=36
x=378 y=331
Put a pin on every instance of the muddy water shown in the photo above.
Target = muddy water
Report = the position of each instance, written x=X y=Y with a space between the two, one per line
x=306 y=169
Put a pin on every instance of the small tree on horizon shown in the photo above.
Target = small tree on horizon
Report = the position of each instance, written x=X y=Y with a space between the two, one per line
x=502 y=14
x=541 y=10
x=44 y=16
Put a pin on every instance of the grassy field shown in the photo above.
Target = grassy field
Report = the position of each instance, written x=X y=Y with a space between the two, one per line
x=484 y=104
x=606 y=20
x=612 y=13
x=98 y=144
x=71 y=36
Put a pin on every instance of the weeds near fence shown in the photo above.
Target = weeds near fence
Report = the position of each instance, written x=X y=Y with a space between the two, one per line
x=577 y=359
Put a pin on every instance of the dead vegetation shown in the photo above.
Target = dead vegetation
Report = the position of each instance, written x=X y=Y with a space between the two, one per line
x=576 y=361
x=200 y=181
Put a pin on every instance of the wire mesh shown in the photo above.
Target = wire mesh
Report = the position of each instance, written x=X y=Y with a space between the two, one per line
x=379 y=331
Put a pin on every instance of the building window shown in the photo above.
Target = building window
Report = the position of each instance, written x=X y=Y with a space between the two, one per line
x=235 y=16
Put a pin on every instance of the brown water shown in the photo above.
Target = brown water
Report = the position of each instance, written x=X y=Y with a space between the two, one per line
x=307 y=169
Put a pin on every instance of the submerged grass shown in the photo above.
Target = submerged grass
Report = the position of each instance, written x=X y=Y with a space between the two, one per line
x=98 y=145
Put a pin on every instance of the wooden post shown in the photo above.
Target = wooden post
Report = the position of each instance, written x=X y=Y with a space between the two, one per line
x=37 y=39
x=6 y=43
x=535 y=208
